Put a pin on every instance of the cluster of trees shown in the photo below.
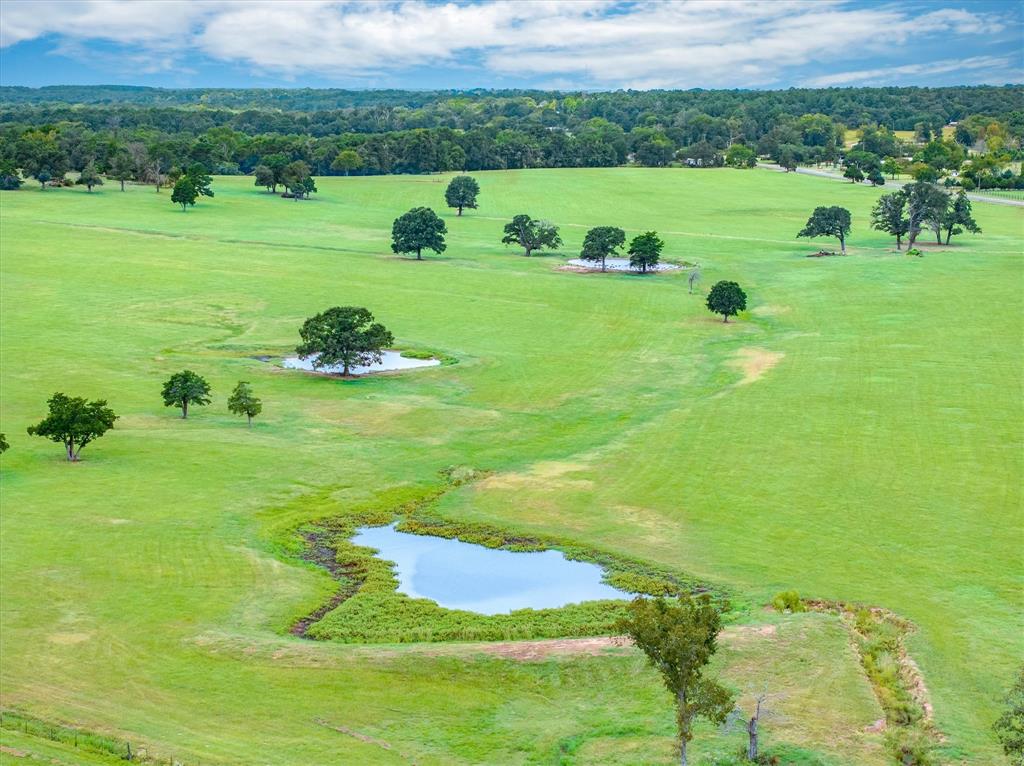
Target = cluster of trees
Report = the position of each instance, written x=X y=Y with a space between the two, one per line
x=905 y=213
x=919 y=206
x=143 y=134
x=75 y=422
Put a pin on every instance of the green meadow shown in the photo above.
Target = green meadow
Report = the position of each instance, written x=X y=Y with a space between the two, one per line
x=855 y=435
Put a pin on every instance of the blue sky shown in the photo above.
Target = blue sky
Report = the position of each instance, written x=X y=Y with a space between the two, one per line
x=589 y=44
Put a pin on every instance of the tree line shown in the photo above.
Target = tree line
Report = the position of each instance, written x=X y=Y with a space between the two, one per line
x=485 y=131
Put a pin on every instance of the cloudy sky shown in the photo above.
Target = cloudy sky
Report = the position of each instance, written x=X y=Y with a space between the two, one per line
x=591 y=44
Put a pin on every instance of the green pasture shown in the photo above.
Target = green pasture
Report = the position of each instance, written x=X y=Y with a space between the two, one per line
x=855 y=435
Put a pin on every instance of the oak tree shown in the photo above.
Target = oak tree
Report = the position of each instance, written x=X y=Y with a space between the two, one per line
x=531 y=234
x=602 y=242
x=345 y=335
x=462 y=192
x=726 y=298
x=828 y=222
x=74 y=422
x=419 y=229
x=185 y=388
x=645 y=251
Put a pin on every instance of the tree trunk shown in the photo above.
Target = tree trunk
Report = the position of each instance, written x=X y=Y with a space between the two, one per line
x=949 y=234
x=418 y=256
x=528 y=250
x=69 y=447
x=250 y=419
x=460 y=209
x=344 y=368
x=682 y=751
x=602 y=264
x=842 y=245
x=122 y=184
x=938 y=236
x=184 y=408
x=897 y=241
x=725 y=318
x=752 y=744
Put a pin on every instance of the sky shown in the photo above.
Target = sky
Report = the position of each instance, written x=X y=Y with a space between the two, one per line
x=550 y=44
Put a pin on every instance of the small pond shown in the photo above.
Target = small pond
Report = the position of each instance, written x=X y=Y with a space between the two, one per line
x=460 y=575
x=390 y=360
x=619 y=264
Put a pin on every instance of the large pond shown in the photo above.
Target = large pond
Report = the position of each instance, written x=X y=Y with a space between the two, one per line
x=460 y=575
x=390 y=360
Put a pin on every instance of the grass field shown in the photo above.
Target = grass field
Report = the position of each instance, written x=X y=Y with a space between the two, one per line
x=855 y=435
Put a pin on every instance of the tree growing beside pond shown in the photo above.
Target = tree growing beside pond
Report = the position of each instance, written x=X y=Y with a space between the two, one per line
x=1009 y=727
x=74 y=422
x=531 y=234
x=889 y=215
x=645 y=251
x=602 y=242
x=185 y=388
x=679 y=639
x=244 y=402
x=462 y=192
x=345 y=335
x=726 y=298
x=419 y=229
x=828 y=222
x=90 y=177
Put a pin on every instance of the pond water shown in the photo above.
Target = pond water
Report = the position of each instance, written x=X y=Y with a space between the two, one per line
x=460 y=575
x=619 y=264
x=390 y=360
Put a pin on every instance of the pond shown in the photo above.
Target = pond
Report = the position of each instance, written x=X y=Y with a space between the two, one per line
x=619 y=264
x=460 y=575
x=390 y=360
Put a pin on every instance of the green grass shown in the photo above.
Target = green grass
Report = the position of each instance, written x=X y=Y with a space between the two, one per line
x=146 y=591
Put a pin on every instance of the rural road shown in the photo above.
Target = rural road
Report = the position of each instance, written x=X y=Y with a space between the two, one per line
x=898 y=184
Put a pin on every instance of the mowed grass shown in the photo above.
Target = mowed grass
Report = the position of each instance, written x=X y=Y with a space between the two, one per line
x=856 y=435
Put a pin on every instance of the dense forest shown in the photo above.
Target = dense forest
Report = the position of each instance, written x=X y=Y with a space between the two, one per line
x=145 y=133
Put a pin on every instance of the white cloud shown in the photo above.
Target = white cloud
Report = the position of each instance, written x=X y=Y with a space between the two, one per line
x=874 y=76
x=643 y=43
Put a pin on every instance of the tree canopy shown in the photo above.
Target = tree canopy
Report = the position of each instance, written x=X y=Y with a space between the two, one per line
x=889 y=215
x=831 y=221
x=601 y=242
x=347 y=161
x=462 y=192
x=185 y=388
x=958 y=217
x=297 y=179
x=1009 y=727
x=419 y=229
x=184 y=193
x=531 y=234
x=345 y=335
x=90 y=177
x=726 y=298
x=645 y=251
x=74 y=422
x=926 y=205
x=244 y=402
x=679 y=639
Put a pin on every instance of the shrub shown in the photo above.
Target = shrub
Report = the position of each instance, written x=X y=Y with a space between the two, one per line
x=788 y=601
